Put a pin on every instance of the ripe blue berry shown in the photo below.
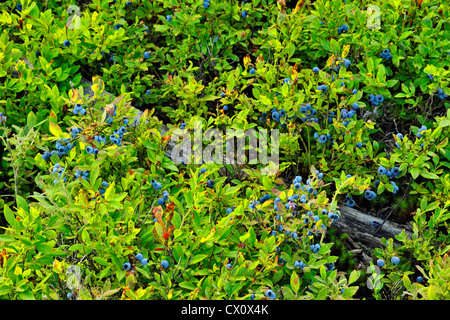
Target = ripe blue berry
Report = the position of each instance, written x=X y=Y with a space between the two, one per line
x=315 y=69
x=244 y=14
x=351 y=203
x=381 y=170
x=395 y=260
x=369 y=195
x=66 y=43
x=139 y=256
x=270 y=294
x=144 y=261
x=146 y=55
x=126 y=266
x=323 y=138
x=380 y=262
x=168 y=18
x=165 y=264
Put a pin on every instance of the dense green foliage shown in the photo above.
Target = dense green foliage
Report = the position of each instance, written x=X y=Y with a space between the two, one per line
x=364 y=120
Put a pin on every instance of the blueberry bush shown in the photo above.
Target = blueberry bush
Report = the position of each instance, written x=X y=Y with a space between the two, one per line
x=92 y=207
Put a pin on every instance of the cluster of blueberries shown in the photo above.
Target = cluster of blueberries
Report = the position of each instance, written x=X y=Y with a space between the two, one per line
x=60 y=148
x=375 y=99
x=117 y=135
x=386 y=54
x=299 y=264
x=139 y=257
x=81 y=174
x=78 y=109
x=315 y=247
x=102 y=190
x=322 y=87
x=60 y=170
x=391 y=174
x=419 y=133
x=394 y=260
x=165 y=197
x=330 y=266
x=91 y=149
x=441 y=94
x=343 y=28
x=155 y=184
x=322 y=138
x=369 y=195
x=2 y=117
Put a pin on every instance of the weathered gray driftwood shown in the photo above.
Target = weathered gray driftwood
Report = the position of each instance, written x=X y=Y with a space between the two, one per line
x=352 y=222
x=357 y=225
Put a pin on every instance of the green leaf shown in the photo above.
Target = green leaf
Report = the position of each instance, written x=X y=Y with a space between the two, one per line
x=295 y=282
x=55 y=129
x=415 y=173
x=407 y=282
x=278 y=275
x=101 y=261
x=354 y=275
x=11 y=219
x=198 y=258
x=429 y=175
x=5 y=238
x=188 y=285
x=22 y=203
x=5 y=289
